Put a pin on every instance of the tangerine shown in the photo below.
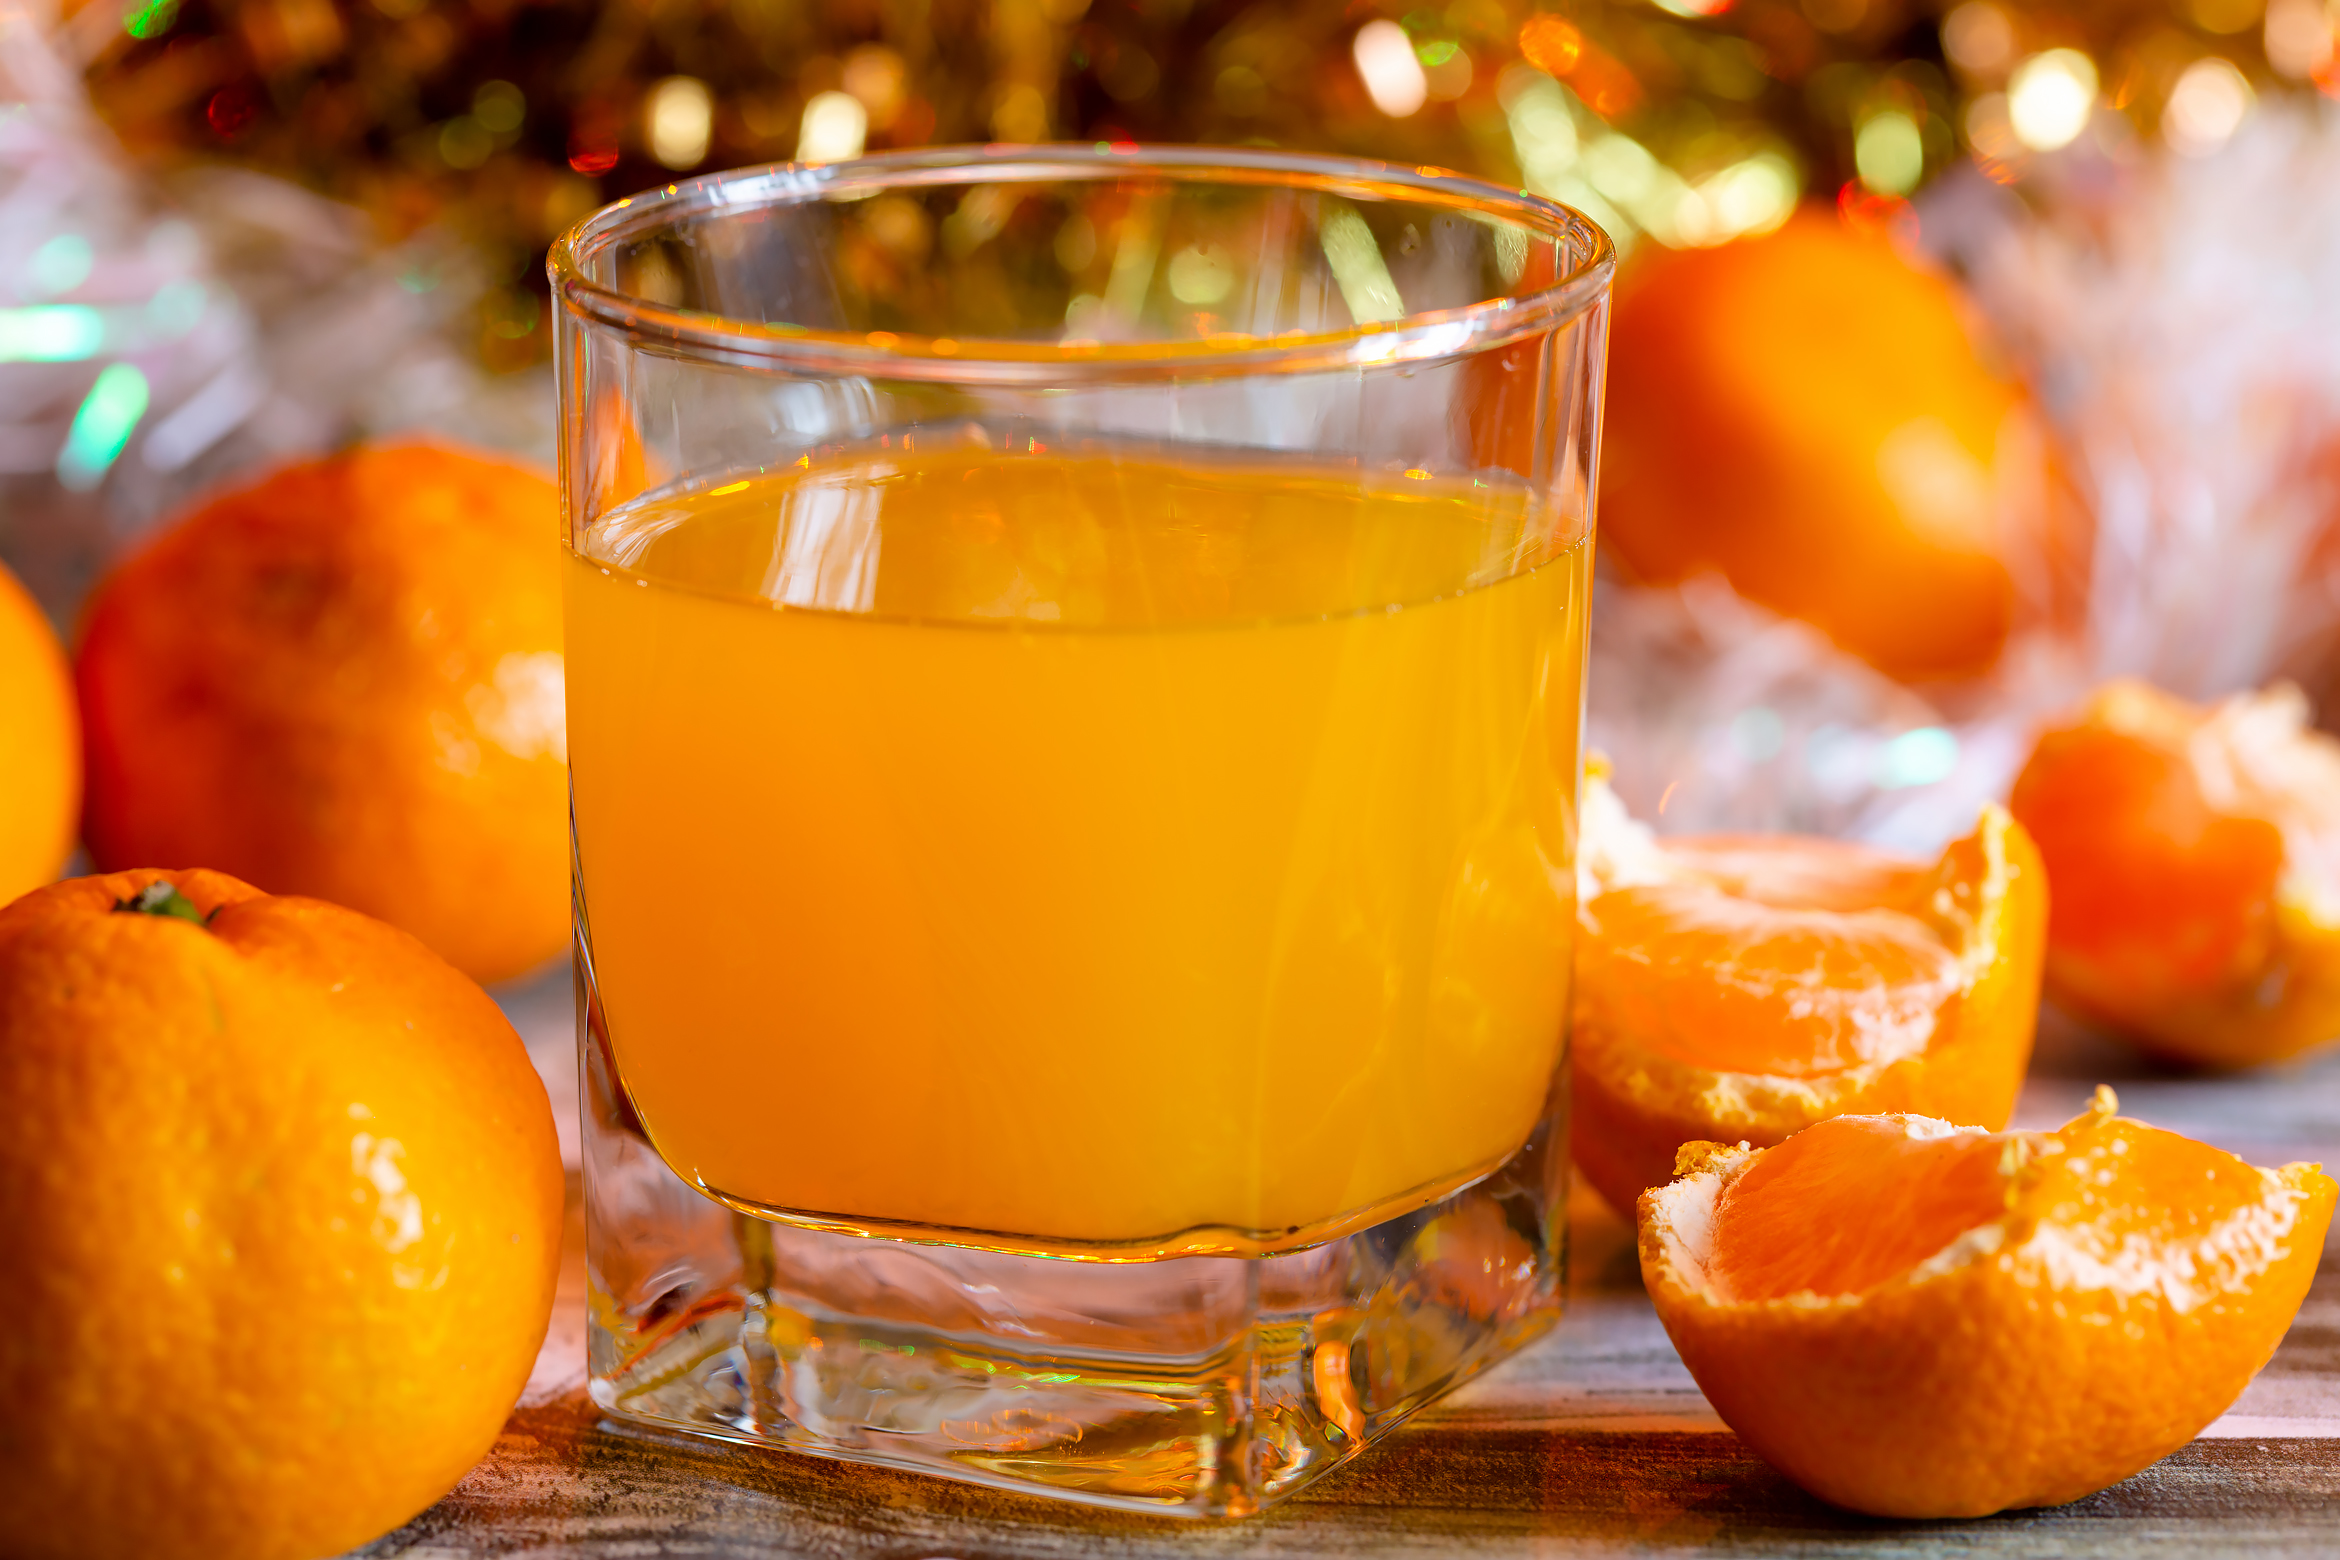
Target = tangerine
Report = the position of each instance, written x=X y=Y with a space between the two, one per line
x=1746 y=986
x=40 y=746
x=2196 y=859
x=1804 y=412
x=1914 y=1319
x=346 y=681
x=283 y=1204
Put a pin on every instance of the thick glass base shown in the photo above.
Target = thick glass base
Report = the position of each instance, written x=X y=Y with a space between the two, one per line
x=1197 y=1386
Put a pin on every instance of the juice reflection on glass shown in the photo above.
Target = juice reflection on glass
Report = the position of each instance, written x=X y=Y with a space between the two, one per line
x=1087 y=845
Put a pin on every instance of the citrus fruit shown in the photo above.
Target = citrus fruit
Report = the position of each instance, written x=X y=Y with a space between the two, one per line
x=1745 y=986
x=1804 y=413
x=283 y=1205
x=40 y=746
x=346 y=681
x=1914 y=1319
x=2196 y=860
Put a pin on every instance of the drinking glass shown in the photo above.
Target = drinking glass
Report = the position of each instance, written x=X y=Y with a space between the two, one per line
x=1075 y=672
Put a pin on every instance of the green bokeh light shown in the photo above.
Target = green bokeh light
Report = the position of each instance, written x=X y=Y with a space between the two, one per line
x=102 y=426
x=151 y=20
x=51 y=333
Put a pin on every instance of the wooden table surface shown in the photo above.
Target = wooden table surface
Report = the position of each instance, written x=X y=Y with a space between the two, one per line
x=1595 y=1441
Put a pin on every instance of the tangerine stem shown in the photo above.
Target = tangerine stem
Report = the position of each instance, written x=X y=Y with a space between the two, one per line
x=162 y=897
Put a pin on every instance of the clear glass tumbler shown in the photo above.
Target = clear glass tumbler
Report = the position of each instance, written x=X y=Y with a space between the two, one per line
x=1075 y=669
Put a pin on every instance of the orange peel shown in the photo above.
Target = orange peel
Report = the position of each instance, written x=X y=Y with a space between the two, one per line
x=2195 y=854
x=1913 y=1319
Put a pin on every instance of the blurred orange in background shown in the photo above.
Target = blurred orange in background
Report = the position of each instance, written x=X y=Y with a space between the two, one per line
x=345 y=681
x=1804 y=413
x=2195 y=854
x=40 y=746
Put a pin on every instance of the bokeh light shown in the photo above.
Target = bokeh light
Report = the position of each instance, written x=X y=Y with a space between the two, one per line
x=878 y=81
x=177 y=307
x=1750 y=197
x=1543 y=131
x=1890 y=153
x=51 y=333
x=835 y=127
x=1446 y=69
x=1022 y=112
x=2050 y=98
x=1991 y=133
x=102 y=426
x=1979 y=39
x=1917 y=757
x=2299 y=38
x=1551 y=43
x=59 y=265
x=1393 y=75
x=680 y=118
x=151 y=20
x=1567 y=153
x=1674 y=122
x=1201 y=274
x=2205 y=108
x=1354 y=257
x=500 y=107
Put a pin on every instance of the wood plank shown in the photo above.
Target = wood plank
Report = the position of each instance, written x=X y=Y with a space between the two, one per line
x=1594 y=1442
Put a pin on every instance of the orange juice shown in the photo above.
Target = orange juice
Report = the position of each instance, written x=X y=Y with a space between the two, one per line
x=1080 y=846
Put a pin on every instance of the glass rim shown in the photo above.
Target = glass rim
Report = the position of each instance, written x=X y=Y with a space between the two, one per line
x=1415 y=337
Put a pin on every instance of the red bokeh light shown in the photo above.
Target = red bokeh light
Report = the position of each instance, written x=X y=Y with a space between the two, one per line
x=592 y=158
x=230 y=110
x=1877 y=216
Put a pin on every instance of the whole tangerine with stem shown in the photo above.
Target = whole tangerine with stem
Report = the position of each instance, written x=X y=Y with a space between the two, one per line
x=283 y=1202
x=40 y=746
x=1742 y=987
x=1915 y=1319
x=346 y=680
x=2196 y=859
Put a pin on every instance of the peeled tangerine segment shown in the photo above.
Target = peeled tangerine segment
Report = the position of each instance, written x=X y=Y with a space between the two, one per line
x=2196 y=858
x=1743 y=987
x=1915 y=1319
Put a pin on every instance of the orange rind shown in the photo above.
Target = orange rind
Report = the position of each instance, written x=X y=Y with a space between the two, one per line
x=283 y=1204
x=2195 y=854
x=1744 y=987
x=1913 y=1319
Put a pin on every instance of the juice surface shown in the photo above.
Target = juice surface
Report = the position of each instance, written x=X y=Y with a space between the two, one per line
x=1081 y=846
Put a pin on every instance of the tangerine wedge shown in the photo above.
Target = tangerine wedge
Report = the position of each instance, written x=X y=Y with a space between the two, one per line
x=1744 y=987
x=1913 y=1319
x=2196 y=860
